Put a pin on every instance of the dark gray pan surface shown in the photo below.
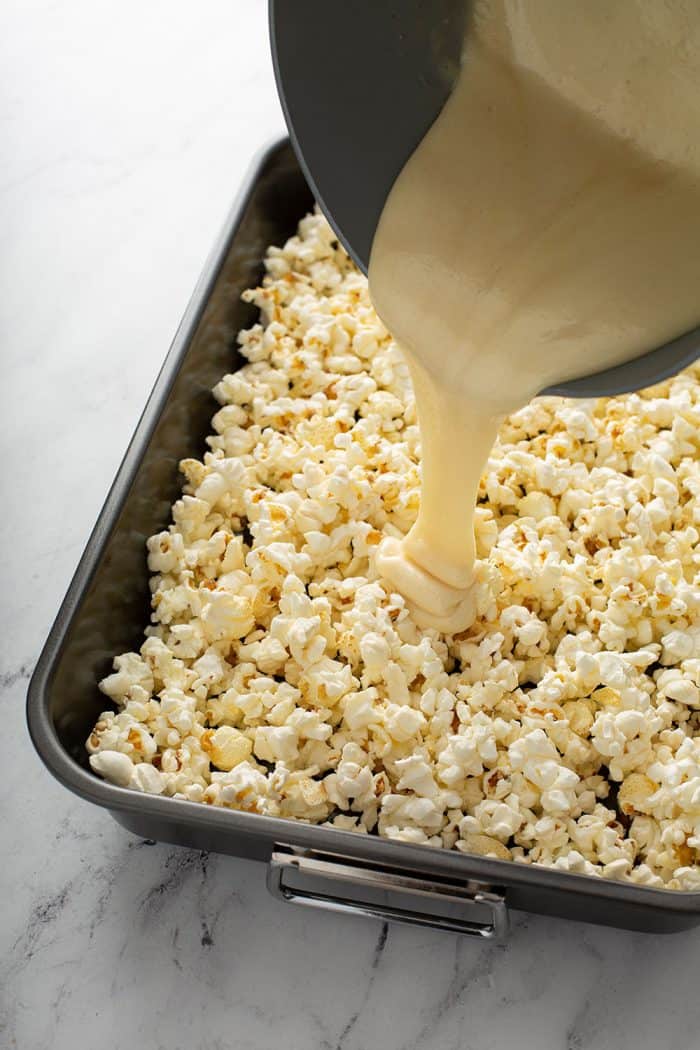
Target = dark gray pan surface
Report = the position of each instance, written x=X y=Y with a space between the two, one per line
x=335 y=64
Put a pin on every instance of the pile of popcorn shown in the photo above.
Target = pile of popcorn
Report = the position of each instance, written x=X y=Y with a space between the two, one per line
x=282 y=676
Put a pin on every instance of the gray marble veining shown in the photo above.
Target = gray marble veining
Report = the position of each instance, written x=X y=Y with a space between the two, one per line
x=126 y=129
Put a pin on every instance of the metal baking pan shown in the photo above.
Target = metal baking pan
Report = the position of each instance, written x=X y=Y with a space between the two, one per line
x=107 y=607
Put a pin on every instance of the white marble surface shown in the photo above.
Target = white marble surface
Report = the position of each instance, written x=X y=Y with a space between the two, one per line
x=126 y=127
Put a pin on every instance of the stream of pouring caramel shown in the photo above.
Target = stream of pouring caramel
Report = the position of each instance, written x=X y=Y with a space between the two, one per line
x=547 y=227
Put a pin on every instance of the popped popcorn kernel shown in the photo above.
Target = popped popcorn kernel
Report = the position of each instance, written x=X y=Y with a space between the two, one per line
x=229 y=747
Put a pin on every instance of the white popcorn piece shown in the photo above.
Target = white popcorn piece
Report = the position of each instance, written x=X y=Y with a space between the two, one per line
x=276 y=743
x=279 y=676
x=468 y=754
x=226 y=615
x=501 y=820
x=415 y=774
x=114 y=766
x=228 y=747
x=131 y=673
x=403 y=723
x=244 y=787
x=352 y=780
x=147 y=778
x=359 y=710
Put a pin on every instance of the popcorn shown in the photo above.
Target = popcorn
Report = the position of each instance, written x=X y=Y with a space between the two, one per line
x=634 y=794
x=416 y=775
x=353 y=779
x=226 y=615
x=132 y=677
x=403 y=722
x=281 y=676
x=113 y=766
x=228 y=747
x=501 y=820
x=276 y=743
x=484 y=846
x=468 y=754
x=147 y=778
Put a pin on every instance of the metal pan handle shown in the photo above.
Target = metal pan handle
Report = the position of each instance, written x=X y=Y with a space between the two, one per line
x=302 y=877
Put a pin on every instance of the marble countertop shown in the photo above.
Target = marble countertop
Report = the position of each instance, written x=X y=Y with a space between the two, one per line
x=126 y=129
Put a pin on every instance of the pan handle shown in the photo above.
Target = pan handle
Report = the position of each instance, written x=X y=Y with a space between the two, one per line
x=346 y=885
